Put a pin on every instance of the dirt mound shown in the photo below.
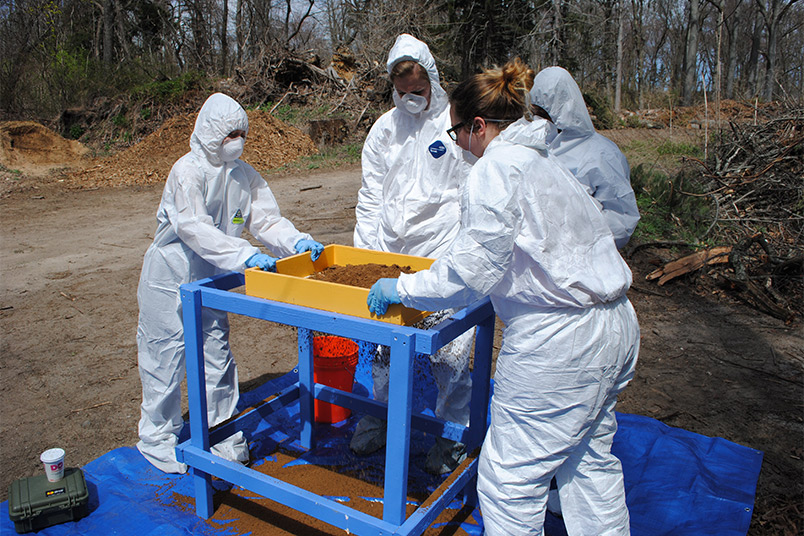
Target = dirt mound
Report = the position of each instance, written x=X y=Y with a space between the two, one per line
x=36 y=150
x=271 y=144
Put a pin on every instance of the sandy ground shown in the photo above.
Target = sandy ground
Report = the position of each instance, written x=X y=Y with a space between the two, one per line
x=68 y=316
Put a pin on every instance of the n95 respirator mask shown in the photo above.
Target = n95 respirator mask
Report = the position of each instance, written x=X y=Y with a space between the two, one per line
x=413 y=104
x=232 y=149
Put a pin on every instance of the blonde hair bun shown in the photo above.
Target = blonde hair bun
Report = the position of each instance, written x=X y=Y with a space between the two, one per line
x=500 y=93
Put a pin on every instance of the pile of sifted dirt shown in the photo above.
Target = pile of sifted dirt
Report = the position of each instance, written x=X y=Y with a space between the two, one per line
x=270 y=144
x=36 y=150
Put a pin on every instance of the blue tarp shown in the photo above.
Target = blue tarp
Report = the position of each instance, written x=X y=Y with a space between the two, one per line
x=677 y=482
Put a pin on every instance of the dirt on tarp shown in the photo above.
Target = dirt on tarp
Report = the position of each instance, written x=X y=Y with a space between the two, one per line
x=36 y=150
x=270 y=144
x=243 y=512
x=360 y=275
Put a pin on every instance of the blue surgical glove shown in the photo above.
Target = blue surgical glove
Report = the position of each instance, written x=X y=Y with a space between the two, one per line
x=315 y=248
x=263 y=261
x=382 y=294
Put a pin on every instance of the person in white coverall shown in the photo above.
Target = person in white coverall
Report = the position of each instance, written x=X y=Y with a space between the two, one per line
x=210 y=196
x=593 y=159
x=533 y=240
x=409 y=202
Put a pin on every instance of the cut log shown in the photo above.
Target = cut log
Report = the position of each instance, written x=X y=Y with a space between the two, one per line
x=690 y=263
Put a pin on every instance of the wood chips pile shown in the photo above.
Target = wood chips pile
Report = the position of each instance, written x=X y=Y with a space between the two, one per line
x=270 y=144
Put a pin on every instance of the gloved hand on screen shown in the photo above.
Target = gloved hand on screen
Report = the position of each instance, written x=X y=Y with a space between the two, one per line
x=315 y=248
x=263 y=261
x=382 y=294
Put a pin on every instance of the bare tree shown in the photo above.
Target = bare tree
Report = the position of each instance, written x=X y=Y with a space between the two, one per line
x=690 y=70
x=108 y=31
x=772 y=12
x=619 y=70
x=223 y=36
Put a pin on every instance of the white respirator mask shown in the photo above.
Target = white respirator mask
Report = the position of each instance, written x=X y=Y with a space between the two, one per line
x=232 y=149
x=414 y=104
x=468 y=157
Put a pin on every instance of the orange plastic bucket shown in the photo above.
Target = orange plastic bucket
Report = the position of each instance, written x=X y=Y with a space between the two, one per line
x=334 y=363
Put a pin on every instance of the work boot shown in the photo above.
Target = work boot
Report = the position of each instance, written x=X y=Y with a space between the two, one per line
x=369 y=436
x=234 y=449
x=162 y=455
x=444 y=456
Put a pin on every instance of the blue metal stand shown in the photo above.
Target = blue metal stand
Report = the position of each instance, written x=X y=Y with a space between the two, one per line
x=404 y=342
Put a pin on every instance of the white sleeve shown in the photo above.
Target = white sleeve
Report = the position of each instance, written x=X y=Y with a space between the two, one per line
x=195 y=227
x=266 y=223
x=369 y=198
x=482 y=251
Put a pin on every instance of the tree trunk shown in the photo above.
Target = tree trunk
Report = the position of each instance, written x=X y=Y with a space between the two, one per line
x=200 y=34
x=108 y=31
x=691 y=54
x=619 y=69
x=556 y=47
x=773 y=15
x=239 y=35
x=224 y=38
x=731 y=55
x=770 y=71
x=753 y=58
x=122 y=35
x=638 y=30
x=718 y=55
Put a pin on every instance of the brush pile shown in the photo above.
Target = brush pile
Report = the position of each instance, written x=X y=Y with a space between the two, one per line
x=755 y=178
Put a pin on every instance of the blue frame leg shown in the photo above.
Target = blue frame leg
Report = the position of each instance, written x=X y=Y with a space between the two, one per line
x=196 y=395
x=479 y=410
x=306 y=385
x=397 y=452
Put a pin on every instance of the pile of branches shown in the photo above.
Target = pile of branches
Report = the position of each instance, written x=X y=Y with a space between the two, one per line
x=755 y=178
x=346 y=87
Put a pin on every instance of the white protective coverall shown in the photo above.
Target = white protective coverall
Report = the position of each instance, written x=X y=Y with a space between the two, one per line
x=533 y=240
x=205 y=206
x=409 y=203
x=595 y=160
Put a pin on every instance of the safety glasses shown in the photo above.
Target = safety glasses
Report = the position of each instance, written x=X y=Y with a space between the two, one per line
x=453 y=132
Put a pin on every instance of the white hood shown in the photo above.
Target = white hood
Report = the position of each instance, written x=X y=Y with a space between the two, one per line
x=407 y=47
x=218 y=117
x=555 y=90
x=533 y=134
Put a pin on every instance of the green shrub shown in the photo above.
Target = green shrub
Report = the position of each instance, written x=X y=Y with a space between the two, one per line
x=76 y=131
x=603 y=116
x=166 y=91
x=286 y=113
x=354 y=151
x=678 y=149
x=632 y=121
x=671 y=208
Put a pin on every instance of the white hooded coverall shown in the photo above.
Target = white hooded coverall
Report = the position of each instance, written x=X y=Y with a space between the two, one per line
x=595 y=160
x=536 y=243
x=205 y=206
x=409 y=202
